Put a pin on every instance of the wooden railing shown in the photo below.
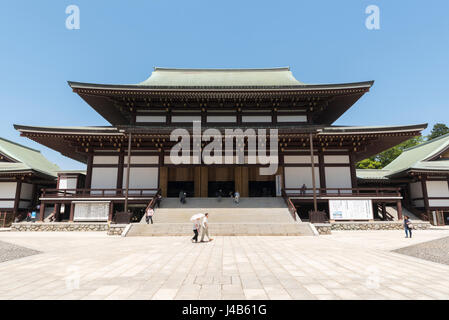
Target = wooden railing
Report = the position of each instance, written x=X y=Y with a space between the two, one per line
x=86 y=193
x=290 y=205
x=343 y=192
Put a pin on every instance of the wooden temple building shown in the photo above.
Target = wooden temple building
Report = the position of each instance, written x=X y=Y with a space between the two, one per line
x=23 y=172
x=422 y=173
x=142 y=117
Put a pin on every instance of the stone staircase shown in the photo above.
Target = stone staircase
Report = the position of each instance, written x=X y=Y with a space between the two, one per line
x=252 y=216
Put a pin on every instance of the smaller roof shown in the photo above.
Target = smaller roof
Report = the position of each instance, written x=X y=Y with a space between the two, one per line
x=25 y=159
x=420 y=157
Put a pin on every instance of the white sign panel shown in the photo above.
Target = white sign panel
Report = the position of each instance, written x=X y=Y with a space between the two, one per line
x=97 y=211
x=351 y=209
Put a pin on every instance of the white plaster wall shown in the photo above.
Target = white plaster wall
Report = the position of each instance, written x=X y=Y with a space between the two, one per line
x=221 y=119
x=292 y=118
x=67 y=183
x=416 y=190
x=105 y=160
x=437 y=189
x=6 y=204
x=256 y=118
x=299 y=159
x=141 y=178
x=142 y=160
x=104 y=178
x=336 y=159
x=338 y=177
x=8 y=190
x=185 y=118
x=439 y=203
x=26 y=191
x=295 y=177
x=157 y=119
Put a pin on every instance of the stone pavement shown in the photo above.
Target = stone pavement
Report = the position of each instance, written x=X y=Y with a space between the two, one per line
x=344 y=265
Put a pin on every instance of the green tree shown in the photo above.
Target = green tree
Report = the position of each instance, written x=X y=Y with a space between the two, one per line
x=384 y=158
x=438 y=130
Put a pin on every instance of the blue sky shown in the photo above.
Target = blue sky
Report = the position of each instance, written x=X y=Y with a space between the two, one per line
x=322 y=41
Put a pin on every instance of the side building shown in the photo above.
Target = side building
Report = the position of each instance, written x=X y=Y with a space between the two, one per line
x=422 y=173
x=23 y=172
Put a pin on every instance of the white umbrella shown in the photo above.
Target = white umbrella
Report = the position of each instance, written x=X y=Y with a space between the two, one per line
x=197 y=216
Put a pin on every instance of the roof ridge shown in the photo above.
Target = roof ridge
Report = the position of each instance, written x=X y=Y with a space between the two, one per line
x=20 y=145
x=222 y=69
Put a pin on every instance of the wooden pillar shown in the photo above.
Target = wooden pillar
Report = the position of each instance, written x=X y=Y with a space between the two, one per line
x=312 y=157
x=399 y=208
x=42 y=212
x=90 y=160
x=244 y=192
x=322 y=170
x=352 y=165
x=128 y=169
x=163 y=180
x=72 y=211
x=197 y=181
x=57 y=211
x=204 y=182
x=424 y=194
x=111 y=211
x=17 y=198
x=121 y=161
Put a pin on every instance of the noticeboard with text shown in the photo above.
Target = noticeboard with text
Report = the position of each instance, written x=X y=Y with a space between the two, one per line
x=350 y=209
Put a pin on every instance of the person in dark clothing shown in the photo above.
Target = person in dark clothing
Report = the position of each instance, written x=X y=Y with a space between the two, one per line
x=196 y=228
x=158 y=201
x=407 y=227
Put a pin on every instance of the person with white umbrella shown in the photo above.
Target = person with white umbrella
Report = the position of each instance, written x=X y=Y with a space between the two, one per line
x=196 y=225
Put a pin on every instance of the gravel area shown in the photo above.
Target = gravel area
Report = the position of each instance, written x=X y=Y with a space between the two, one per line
x=11 y=251
x=435 y=250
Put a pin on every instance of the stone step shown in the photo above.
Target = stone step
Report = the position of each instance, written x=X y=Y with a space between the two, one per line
x=223 y=229
x=249 y=210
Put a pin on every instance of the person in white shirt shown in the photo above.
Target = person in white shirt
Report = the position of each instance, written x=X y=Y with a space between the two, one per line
x=149 y=215
x=205 y=228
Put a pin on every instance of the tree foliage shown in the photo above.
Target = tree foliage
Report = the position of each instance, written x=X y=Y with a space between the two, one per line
x=438 y=130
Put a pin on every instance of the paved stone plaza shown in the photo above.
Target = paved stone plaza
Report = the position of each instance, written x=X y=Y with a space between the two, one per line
x=344 y=265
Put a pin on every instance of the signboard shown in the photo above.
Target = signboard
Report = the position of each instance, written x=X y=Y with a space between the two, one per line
x=91 y=211
x=351 y=209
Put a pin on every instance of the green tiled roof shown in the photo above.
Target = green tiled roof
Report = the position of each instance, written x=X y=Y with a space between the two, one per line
x=417 y=157
x=220 y=77
x=25 y=159
x=414 y=158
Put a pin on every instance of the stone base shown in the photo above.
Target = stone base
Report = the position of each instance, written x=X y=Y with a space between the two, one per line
x=323 y=228
x=59 y=226
x=377 y=225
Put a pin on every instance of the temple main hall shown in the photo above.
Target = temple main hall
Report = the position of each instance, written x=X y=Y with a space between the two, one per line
x=128 y=161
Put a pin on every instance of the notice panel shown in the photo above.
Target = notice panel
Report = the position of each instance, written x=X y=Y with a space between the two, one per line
x=351 y=209
x=91 y=211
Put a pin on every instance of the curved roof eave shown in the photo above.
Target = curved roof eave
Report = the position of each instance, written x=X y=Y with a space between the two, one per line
x=303 y=87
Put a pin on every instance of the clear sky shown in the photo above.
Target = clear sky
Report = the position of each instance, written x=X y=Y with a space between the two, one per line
x=121 y=41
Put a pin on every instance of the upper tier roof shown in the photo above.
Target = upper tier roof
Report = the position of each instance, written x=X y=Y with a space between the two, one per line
x=220 y=77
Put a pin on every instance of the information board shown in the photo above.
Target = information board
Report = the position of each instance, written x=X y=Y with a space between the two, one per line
x=351 y=209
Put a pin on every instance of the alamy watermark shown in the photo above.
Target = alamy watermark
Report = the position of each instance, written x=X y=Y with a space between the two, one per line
x=72 y=22
x=207 y=147
x=372 y=21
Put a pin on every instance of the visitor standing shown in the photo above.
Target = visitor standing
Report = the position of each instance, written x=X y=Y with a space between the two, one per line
x=149 y=215
x=237 y=197
x=408 y=227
